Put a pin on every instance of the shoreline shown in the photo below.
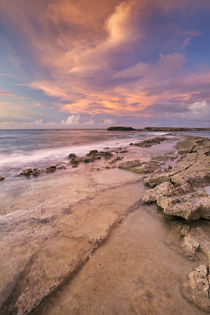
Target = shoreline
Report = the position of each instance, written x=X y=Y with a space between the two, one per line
x=79 y=210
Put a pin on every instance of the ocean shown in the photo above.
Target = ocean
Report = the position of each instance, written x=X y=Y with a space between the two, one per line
x=39 y=148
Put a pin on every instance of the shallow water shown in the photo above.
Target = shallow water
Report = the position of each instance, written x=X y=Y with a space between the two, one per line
x=20 y=149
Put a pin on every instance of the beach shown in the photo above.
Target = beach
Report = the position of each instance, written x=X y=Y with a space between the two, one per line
x=97 y=233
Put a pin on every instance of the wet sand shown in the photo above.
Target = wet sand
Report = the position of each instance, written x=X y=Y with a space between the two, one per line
x=79 y=241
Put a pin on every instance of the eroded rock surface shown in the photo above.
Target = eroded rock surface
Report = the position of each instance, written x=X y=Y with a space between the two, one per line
x=196 y=287
x=179 y=190
x=149 y=142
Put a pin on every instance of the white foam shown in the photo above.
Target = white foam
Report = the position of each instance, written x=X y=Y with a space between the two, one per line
x=17 y=160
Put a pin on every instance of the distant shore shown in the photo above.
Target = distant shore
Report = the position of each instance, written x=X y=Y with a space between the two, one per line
x=147 y=129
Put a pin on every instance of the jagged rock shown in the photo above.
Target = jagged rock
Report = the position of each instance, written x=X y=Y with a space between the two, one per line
x=2 y=178
x=152 y=194
x=74 y=159
x=196 y=287
x=72 y=156
x=191 y=173
x=189 y=246
x=26 y=172
x=156 y=178
x=51 y=169
x=29 y=171
x=93 y=153
x=36 y=172
x=149 y=142
x=189 y=207
x=107 y=155
x=74 y=162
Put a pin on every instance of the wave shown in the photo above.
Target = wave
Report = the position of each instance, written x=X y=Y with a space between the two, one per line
x=44 y=156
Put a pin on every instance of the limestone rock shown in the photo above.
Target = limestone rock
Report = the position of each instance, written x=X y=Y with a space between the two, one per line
x=161 y=190
x=189 y=207
x=157 y=178
x=189 y=246
x=149 y=142
x=196 y=288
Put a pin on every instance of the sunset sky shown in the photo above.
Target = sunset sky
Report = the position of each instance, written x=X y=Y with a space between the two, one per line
x=96 y=63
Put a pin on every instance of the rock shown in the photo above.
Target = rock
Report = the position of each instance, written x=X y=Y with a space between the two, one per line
x=196 y=288
x=72 y=156
x=118 y=158
x=189 y=246
x=107 y=155
x=2 y=178
x=189 y=207
x=36 y=172
x=29 y=171
x=93 y=153
x=157 y=178
x=74 y=163
x=51 y=169
x=149 y=142
x=186 y=197
x=26 y=172
x=130 y=164
x=74 y=159
x=152 y=194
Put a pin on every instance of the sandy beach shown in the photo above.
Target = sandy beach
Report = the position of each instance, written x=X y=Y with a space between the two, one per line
x=91 y=240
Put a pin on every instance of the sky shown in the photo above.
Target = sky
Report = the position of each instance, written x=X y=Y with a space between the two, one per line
x=95 y=64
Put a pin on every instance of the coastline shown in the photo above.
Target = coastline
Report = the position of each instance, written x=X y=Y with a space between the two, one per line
x=64 y=224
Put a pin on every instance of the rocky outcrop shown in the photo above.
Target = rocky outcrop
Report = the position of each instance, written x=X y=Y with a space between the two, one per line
x=192 y=206
x=179 y=190
x=29 y=171
x=161 y=190
x=189 y=246
x=92 y=156
x=196 y=288
x=149 y=142
x=51 y=169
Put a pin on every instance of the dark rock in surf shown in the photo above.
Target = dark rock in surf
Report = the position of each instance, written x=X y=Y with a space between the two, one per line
x=51 y=169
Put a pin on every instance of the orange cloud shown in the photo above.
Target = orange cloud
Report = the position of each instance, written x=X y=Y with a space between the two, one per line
x=77 y=41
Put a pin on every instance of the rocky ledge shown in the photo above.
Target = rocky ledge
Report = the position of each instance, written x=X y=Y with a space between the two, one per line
x=180 y=190
x=149 y=142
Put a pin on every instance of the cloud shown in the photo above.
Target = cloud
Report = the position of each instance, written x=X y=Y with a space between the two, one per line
x=109 y=122
x=200 y=110
x=112 y=58
x=72 y=120
x=6 y=93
